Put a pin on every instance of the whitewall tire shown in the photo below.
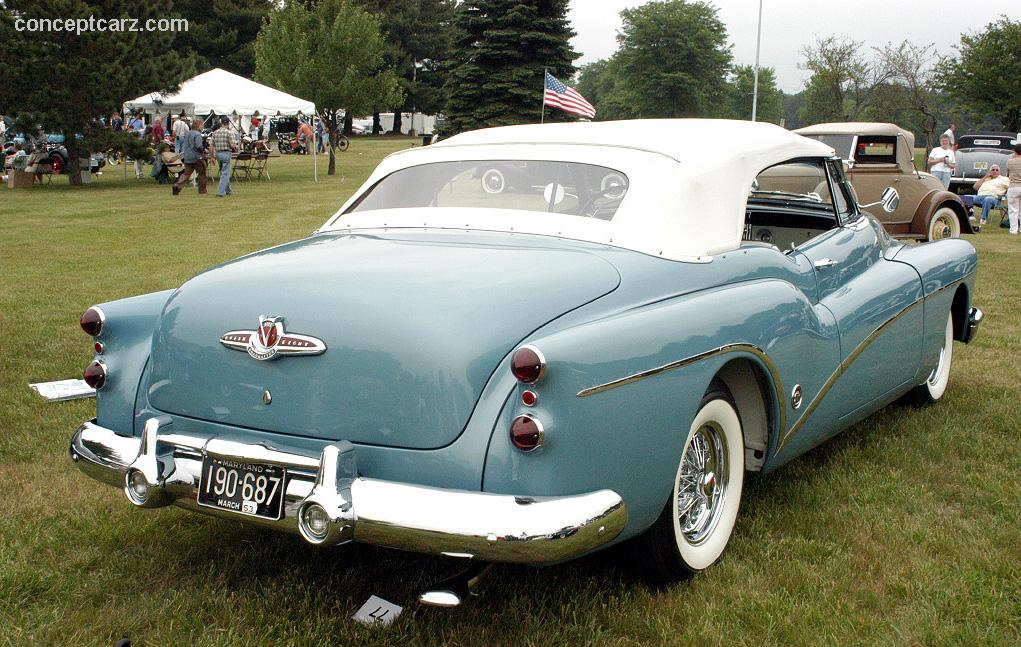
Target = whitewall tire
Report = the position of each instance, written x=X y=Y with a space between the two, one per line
x=944 y=224
x=698 y=520
x=935 y=384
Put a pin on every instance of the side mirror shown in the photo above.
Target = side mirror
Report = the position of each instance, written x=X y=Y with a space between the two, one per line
x=890 y=199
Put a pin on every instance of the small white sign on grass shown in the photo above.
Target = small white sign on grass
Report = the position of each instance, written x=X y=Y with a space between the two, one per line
x=377 y=611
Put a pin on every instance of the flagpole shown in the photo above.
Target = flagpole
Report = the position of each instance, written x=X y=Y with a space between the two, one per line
x=755 y=88
x=542 y=110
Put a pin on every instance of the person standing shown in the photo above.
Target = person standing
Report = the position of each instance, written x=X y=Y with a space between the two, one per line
x=1014 y=190
x=157 y=131
x=951 y=134
x=305 y=137
x=116 y=122
x=180 y=130
x=942 y=161
x=991 y=187
x=223 y=145
x=193 y=154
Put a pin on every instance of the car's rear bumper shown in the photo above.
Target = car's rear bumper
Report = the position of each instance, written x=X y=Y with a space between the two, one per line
x=489 y=527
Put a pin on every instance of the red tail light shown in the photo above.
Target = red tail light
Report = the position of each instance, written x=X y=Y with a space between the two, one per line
x=528 y=364
x=95 y=374
x=92 y=321
x=526 y=433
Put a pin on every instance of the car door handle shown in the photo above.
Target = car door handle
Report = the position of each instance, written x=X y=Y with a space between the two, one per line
x=824 y=263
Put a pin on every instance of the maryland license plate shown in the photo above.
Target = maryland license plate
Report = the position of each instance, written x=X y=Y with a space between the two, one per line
x=981 y=166
x=245 y=488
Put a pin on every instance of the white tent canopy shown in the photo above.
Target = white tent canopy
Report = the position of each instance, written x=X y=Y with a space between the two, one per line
x=218 y=91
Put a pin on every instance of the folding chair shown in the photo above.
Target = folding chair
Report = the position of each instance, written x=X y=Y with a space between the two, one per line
x=242 y=170
x=259 y=165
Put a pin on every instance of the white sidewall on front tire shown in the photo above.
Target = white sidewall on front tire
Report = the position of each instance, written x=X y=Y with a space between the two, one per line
x=721 y=413
x=944 y=216
x=936 y=384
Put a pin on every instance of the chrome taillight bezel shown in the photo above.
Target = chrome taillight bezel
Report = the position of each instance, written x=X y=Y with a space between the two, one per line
x=542 y=366
x=101 y=317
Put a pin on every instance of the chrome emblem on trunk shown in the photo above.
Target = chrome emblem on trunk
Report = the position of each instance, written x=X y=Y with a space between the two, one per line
x=270 y=341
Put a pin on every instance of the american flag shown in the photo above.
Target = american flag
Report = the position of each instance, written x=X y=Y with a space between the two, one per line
x=561 y=96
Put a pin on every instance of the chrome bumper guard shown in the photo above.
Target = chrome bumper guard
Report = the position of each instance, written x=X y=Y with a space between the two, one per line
x=163 y=468
x=971 y=326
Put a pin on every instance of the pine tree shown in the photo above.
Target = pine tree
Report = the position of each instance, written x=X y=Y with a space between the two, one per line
x=500 y=49
x=222 y=33
x=418 y=35
x=63 y=81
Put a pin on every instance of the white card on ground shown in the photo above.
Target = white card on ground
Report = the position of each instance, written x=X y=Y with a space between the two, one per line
x=377 y=611
x=63 y=390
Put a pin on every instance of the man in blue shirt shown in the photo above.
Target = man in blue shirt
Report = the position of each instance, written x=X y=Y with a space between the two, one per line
x=193 y=154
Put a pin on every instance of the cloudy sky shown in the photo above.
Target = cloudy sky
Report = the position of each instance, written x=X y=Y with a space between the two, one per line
x=788 y=25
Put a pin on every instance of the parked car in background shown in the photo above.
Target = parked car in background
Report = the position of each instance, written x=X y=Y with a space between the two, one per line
x=595 y=353
x=976 y=153
x=879 y=156
x=53 y=145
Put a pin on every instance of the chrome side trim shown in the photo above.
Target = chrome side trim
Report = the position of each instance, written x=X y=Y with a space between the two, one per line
x=841 y=369
x=774 y=373
x=438 y=521
x=722 y=350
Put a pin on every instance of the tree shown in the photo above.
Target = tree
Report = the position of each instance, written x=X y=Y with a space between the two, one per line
x=599 y=83
x=331 y=54
x=500 y=49
x=844 y=81
x=911 y=88
x=62 y=80
x=741 y=88
x=672 y=61
x=986 y=77
x=221 y=33
x=418 y=34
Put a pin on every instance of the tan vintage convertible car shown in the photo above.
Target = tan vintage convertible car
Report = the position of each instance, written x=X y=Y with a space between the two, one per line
x=879 y=156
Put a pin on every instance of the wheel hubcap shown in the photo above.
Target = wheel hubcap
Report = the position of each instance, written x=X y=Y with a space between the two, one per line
x=702 y=485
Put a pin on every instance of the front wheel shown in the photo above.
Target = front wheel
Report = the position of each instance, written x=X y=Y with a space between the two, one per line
x=936 y=384
x=944 y=224
x=343 y=143
x=696 y=523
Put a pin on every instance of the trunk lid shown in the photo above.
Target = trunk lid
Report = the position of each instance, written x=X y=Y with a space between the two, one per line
x=414 y=325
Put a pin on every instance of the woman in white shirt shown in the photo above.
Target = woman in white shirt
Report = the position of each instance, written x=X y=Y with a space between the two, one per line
x=942 y=161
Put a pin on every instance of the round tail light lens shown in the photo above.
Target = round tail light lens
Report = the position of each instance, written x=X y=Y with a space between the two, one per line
x=528 y=364
x=526 y=433
x=92 y=321
x=95 y=374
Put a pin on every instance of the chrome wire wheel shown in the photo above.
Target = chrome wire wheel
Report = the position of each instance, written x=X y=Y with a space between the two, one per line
x=702 y=483
x=944 y=224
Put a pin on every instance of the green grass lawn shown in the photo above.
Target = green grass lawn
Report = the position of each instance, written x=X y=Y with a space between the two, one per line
x=904 y=530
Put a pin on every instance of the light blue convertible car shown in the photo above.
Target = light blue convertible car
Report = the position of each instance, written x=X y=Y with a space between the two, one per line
x=525 y=344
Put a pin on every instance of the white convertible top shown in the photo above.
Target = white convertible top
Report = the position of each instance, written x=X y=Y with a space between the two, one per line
x=688 y=180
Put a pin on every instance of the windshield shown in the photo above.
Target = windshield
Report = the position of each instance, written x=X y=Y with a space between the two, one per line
x=840 y=143
x=803 y=182
x=568 y=188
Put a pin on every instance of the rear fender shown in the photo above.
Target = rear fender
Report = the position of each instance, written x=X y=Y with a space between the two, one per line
x=936 y=200
x=127 y=338
x=619 y=393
